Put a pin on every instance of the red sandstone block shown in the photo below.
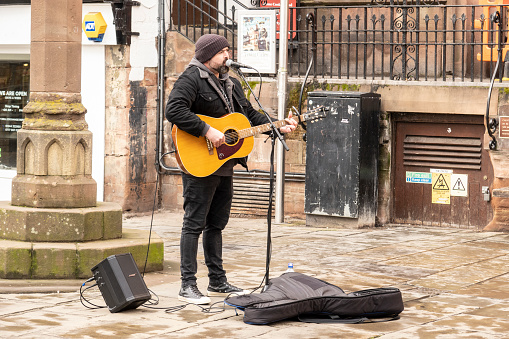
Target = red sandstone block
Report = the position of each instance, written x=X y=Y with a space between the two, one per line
x=56 y=67
x=56 y=20
x=150 y=77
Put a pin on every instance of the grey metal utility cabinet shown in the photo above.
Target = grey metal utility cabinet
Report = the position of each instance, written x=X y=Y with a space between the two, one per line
x=342 y=160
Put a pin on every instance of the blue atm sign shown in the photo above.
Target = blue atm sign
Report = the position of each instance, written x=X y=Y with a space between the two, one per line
x=89 y=26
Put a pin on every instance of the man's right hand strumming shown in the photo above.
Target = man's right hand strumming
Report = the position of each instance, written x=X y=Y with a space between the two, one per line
x=215 y=137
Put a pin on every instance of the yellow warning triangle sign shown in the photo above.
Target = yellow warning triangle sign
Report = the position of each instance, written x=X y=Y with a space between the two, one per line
x=441 y=183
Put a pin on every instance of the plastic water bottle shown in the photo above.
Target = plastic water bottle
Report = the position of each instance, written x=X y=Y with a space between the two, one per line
x=290 y=267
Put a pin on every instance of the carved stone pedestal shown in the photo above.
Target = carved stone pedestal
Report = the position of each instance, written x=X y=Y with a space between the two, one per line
x=54 y=227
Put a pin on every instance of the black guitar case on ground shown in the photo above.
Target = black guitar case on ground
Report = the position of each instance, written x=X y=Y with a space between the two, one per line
x=312 y=300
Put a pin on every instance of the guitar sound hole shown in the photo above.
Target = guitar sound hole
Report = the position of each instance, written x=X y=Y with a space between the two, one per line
x=231 y=137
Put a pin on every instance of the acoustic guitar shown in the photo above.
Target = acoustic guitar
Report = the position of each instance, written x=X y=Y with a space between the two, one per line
x=198 y=157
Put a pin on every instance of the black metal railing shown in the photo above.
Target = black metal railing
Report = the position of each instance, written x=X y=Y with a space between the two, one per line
x=387 y=40
x=194 y=18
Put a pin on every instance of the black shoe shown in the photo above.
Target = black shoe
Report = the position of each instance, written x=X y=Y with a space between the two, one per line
x=192 y=294
x=224 y=289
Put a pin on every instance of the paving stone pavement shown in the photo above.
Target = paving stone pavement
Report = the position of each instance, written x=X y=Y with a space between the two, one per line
x=454 y=282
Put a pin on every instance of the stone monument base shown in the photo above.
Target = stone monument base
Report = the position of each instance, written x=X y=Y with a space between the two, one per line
x=74 y=260
x=65 y=243
x=102 y=222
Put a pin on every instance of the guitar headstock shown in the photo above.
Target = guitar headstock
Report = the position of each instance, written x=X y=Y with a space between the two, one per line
x=315 y=114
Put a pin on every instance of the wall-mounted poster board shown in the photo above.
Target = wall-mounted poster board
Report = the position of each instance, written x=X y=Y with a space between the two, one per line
x=257 y=40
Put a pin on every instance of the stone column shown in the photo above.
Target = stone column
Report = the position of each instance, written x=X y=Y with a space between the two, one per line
x=54 y=228
x=54 y=152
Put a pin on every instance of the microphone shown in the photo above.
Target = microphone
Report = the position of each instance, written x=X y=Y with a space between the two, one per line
x=232 y=64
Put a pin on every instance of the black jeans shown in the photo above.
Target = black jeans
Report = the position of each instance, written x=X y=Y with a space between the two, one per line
x=207 y=203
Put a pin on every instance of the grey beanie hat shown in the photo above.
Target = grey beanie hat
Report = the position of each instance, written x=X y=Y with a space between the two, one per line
x=209 y=45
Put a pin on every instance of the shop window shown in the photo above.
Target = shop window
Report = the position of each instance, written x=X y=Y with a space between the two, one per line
x=14 y=91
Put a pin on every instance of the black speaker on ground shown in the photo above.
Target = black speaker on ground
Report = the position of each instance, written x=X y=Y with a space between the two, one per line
x=120 y=282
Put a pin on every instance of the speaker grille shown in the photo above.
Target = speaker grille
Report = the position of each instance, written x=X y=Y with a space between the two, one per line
x=120 y=282
x=132 y=276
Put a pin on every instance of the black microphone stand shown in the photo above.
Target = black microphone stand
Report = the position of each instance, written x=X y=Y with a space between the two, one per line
x=274 y=134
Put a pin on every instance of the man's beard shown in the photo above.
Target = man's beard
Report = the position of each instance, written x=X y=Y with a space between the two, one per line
x=223 y=69
x=220 y=68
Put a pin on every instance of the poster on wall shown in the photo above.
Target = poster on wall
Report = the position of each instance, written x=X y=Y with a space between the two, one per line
x=257 y=40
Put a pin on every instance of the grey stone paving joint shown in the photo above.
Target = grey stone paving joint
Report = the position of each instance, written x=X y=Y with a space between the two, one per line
x=454 y=284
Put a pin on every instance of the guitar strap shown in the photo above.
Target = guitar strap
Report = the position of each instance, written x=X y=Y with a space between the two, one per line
x=219 y=85
x=228 y=101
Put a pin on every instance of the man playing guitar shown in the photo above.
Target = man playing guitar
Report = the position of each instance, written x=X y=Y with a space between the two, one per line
x=206 y=89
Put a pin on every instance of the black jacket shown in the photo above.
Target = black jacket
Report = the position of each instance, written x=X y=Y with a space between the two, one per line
x=196 y=92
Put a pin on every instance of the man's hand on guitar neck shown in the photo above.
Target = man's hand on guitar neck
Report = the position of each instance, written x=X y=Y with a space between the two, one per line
x=215 y=137
x=291 y=124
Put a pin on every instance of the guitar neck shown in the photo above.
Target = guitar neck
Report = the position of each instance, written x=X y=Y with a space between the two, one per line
x=249 y=132
x=317 y=113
